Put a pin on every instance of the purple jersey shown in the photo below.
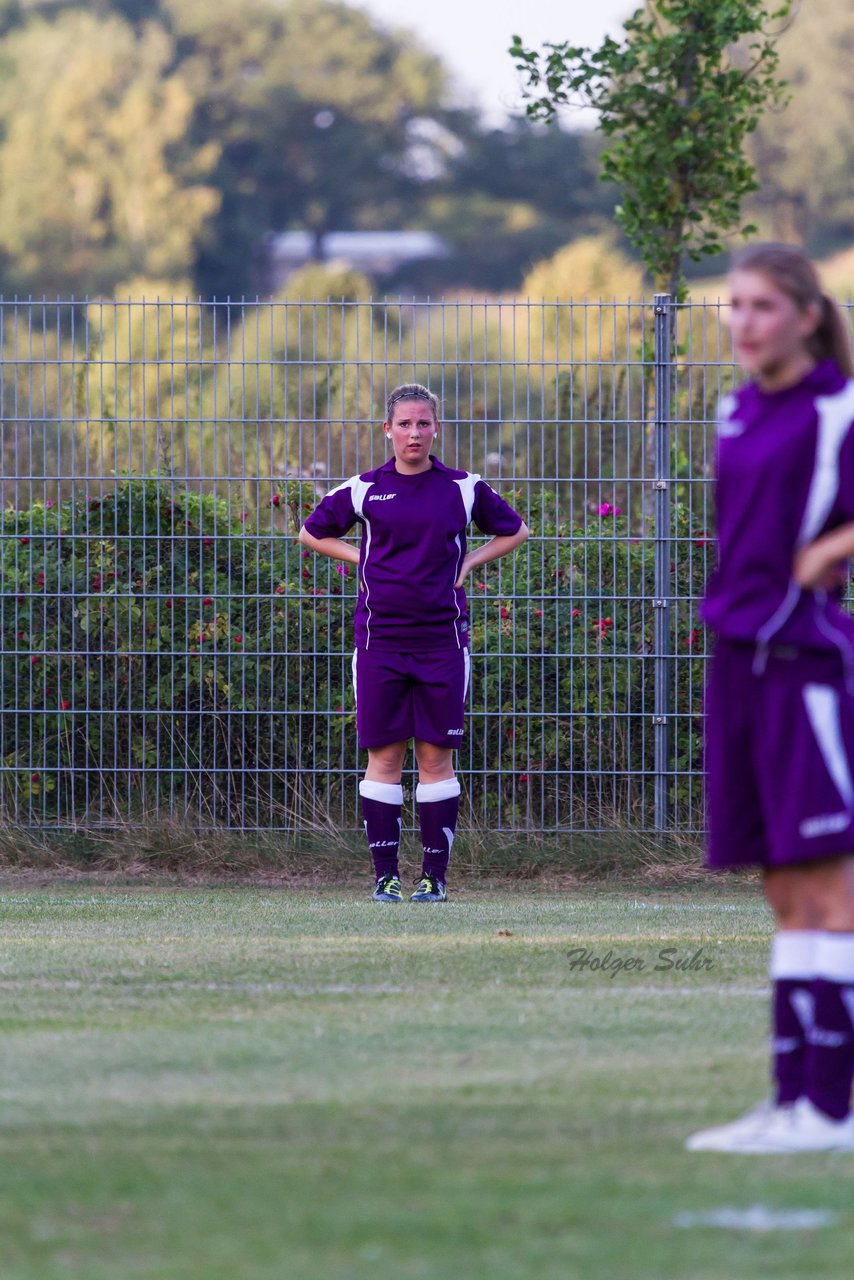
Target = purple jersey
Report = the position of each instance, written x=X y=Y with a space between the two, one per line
x=412 y=547
x=785 y=476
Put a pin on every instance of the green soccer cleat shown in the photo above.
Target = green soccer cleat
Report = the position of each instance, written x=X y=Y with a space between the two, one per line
x=430 y=889
x=387 y=889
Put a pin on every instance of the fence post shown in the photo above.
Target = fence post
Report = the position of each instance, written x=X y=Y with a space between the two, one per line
x=664 y=317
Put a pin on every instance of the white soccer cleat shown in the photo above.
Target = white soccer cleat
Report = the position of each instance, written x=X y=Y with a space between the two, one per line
x=800 y=1128
x=772 y=1130
x=728 y=1137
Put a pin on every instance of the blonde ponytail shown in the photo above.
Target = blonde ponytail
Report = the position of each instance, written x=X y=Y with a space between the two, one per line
x=831 y=337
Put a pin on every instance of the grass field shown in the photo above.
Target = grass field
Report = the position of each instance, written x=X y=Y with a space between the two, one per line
x=249 y=1084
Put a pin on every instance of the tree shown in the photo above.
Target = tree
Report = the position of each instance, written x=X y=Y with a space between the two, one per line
x=677 y=97
x=509 y=197
x=523 y=161
x=97 y=183
x=804 y=154
x=18 y=13
x=320 y=114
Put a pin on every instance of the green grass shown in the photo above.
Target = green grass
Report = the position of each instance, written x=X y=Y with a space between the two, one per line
x=249 y=1084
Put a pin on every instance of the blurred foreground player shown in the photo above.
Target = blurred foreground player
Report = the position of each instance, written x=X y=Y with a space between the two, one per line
x=780 y=697
x=411 y=664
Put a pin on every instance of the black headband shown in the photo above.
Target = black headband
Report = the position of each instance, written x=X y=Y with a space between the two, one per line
x=409 y=395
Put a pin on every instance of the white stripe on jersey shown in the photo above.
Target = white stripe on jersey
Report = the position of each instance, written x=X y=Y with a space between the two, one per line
x=467 y=487
x=366 y=585
x=358 y=488
x=835 y=414
x=459 y=547
x=727 y=426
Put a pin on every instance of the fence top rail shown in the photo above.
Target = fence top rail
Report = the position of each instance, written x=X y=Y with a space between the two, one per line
x=177 y=301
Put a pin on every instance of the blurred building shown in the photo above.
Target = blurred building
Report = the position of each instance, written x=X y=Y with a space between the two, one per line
x=376 y=253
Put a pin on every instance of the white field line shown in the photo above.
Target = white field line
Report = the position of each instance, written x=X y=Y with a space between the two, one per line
x=249 y=988
x=343 y=988
x=758 y=1217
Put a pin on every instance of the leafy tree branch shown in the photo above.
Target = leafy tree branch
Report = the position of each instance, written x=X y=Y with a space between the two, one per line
x=677 y=96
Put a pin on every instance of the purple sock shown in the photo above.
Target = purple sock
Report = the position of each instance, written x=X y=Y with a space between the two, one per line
x=438 y=805
x=830 y=1055
x=792 y=973
x=381 y=806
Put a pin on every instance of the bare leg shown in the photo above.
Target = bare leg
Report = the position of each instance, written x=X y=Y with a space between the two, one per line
x=435 y=764
x=816 y=895
x=385 y=764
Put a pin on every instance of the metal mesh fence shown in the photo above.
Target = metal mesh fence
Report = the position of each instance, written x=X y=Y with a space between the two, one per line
x=169 y=648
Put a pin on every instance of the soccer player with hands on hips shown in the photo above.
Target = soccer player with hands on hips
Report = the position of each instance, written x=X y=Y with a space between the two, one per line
x=411 y=664
x=780 y=695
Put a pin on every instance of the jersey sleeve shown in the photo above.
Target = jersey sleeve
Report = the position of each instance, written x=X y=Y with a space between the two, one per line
x=492 y=514
x=334 y=514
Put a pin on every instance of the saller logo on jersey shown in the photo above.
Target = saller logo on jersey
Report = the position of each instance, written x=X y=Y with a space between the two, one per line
x=825 y=824
x=381 y=497
x=455 y=732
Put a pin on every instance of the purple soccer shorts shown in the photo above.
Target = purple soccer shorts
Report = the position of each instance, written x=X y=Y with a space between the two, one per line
x=410 y=695
x=779 y=753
